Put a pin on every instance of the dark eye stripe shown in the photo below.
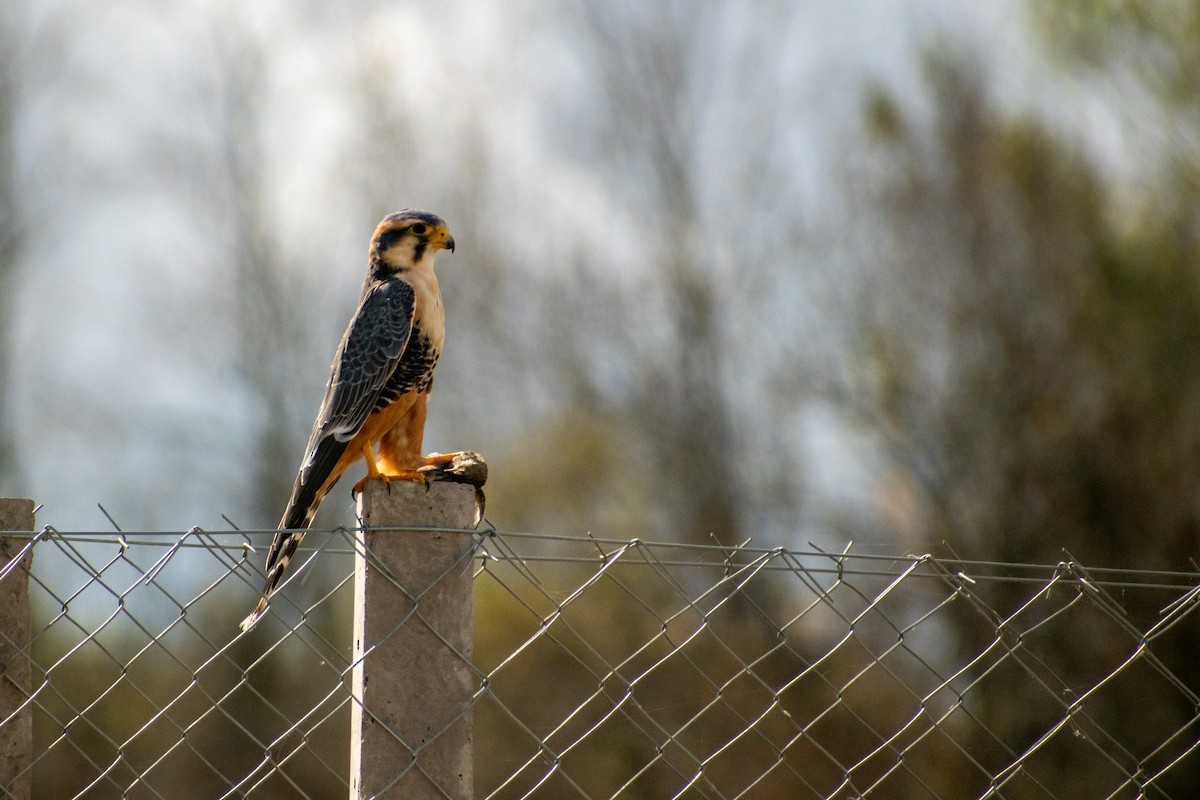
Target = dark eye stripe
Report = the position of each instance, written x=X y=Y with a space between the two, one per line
x=388 y=238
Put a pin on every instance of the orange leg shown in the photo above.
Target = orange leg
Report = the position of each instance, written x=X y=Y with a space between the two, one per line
x=400 y=446
x=377 y=472
x=373 y=473
x=368 y=455
x=401 y=436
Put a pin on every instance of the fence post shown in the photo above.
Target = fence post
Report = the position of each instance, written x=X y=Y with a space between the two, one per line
x=412 y=679
x=16 y=716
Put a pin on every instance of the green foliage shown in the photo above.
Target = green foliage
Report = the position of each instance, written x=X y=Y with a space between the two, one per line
x=1155 y=39
x=882 y=116
x=136 y=699
x=576 y=472
x=1040 y=394
x=1040 y=400
x=637 y=686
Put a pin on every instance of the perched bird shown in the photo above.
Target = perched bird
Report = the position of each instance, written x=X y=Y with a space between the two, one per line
x=379 y=382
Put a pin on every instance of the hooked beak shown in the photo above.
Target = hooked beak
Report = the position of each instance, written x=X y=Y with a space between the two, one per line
x=443 y=240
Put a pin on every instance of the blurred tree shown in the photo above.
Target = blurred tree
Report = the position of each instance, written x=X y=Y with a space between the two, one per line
x=651 y=327
x=257 y=276
x=1030 y=375
x=1045 y=325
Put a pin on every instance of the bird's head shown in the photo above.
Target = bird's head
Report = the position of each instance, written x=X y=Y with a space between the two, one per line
x=408 y=239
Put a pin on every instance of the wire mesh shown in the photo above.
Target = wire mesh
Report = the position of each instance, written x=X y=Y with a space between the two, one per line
x=621 y=669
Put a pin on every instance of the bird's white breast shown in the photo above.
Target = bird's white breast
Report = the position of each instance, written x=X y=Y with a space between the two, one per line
x=429 y=313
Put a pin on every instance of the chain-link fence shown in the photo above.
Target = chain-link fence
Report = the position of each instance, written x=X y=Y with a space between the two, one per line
x=620 y=669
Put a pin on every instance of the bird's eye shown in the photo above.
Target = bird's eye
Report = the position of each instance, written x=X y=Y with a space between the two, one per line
x=420 y=229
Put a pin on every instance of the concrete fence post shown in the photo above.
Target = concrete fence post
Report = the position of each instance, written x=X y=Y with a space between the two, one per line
x=412 y=679
x=16 y=715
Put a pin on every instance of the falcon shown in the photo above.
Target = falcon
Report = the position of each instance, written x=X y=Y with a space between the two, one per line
x=379 y=382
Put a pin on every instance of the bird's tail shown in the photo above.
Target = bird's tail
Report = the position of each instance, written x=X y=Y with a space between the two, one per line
x=259 y=611
x=314 y=481
x=283 y=547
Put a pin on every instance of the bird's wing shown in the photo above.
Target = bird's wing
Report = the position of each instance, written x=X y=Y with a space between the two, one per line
x=367 y=356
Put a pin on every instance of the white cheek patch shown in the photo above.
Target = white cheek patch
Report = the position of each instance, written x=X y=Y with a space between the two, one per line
x=400 y=255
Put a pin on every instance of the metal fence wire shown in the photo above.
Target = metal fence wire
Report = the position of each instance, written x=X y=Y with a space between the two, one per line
x=623 y=669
